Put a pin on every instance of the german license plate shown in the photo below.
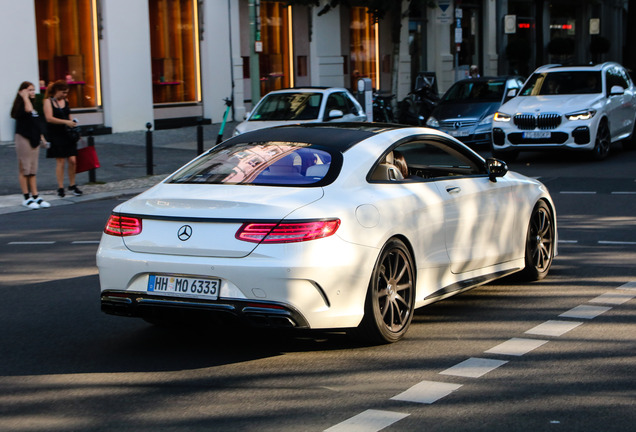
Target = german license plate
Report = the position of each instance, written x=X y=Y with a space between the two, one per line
x=536 y=135
x=459 y=133
x=184 y=286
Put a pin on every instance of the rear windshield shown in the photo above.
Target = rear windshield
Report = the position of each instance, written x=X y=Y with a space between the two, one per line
x=475 y=91
x=260 y=163
x=563 y=83
x=288 y=106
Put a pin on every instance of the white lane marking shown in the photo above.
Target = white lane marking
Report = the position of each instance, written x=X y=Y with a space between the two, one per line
x=516 y=346
x=608 y=242
x=368 y=421
x=615 y=298
x=624 y=193
x=569 y=241
x=85 y=242
x=585 y=312
x=427 y=392
x=474 y=367
x=628 y=286
x=32 y=243
x=578 y=192
x=554 y=328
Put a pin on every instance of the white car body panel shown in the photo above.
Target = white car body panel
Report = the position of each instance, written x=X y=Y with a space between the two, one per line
x=456 y=239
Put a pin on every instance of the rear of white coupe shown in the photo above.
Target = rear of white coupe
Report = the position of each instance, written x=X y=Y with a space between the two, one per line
x=323 y=227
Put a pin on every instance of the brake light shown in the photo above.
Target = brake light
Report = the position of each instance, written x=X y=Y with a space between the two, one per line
x=286 y=232
x=122 y=226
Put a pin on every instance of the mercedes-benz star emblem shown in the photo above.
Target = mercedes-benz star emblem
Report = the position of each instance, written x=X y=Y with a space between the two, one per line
x=184 y=233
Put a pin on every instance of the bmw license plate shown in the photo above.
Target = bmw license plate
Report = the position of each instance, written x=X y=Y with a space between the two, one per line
x=537 y=135
x=184 y=286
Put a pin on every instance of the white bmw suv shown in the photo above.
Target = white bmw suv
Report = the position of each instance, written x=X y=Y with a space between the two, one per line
x=575 y=107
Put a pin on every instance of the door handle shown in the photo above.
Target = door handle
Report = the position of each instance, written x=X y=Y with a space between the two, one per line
x=453 y=189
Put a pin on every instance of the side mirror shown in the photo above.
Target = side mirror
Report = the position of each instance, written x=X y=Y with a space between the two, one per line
x=617 y=90
x=334 y=114
x=512 y=93
x=496 y=168
x=247 y=115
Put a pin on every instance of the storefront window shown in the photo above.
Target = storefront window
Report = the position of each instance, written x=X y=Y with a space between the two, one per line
x=67 y=48
x=274 y=64
x=174 y=50
x=363 y=46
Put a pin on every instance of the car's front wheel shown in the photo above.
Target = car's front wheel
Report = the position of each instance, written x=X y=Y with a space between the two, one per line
x=391 y=296
x=602 y=143
x=540 y=240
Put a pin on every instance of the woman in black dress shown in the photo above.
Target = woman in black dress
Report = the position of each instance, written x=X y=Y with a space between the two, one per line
x=63 y=149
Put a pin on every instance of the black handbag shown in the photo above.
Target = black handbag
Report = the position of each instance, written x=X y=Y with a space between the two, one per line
x=74 y=134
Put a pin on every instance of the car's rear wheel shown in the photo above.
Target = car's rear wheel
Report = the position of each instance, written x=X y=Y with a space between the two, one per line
x=539 y=243
x=391 y=296
x=602 y=143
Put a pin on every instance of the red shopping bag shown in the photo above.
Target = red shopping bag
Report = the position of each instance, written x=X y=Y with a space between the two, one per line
x=86 y=159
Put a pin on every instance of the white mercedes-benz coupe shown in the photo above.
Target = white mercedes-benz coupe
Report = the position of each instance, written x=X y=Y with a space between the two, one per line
x=324 y=226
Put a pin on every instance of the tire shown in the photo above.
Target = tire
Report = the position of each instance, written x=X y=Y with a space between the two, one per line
x=391 y=296
x=540 y=240
x=602 y=142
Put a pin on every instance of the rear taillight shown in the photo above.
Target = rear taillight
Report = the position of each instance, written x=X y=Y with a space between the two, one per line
x=122 y=226
x=286 y=232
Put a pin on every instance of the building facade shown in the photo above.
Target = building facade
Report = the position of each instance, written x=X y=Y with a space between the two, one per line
x=171 y=62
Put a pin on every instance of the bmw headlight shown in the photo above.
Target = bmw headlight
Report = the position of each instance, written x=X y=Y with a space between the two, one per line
x=581 y=115
x=432 y=122
x=501 y=117
x=486 y=120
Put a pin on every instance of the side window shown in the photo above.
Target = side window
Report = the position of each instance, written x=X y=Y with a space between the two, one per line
x=421 y=160
x=622 y=78
x=336 y=101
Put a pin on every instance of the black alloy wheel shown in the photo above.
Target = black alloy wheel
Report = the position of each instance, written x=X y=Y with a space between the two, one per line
x=391 y=295
x=539 y=243
x=602 y=143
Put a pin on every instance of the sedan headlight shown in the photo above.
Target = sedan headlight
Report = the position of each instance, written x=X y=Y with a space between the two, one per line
x=432 y=122
x=486 y=120
x=581 y=115
x=501 y=117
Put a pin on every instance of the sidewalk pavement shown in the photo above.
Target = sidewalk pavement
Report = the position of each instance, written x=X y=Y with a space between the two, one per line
x=122 y=170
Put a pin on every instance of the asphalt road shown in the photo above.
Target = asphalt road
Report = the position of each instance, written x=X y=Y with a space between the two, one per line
x=557 y=355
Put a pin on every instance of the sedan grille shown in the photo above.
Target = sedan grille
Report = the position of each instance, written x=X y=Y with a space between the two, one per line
x=541 y=121
x=456 y=124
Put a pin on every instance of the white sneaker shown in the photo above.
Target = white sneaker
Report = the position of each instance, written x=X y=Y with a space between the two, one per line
x=30 y=203
x=42 y=203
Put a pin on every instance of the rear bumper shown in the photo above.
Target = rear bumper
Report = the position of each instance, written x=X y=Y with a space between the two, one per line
x=260 y=314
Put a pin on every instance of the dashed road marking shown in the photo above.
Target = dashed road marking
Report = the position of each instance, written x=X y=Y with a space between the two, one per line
x=368 y=421
x=32 y=243
x=474 y=367
x=608 y=242
x=615 y=298
x=427 y=392
x=554 y=328
x=516 y=346
x=628 y=286
x=585 y=312
x=578 y=192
